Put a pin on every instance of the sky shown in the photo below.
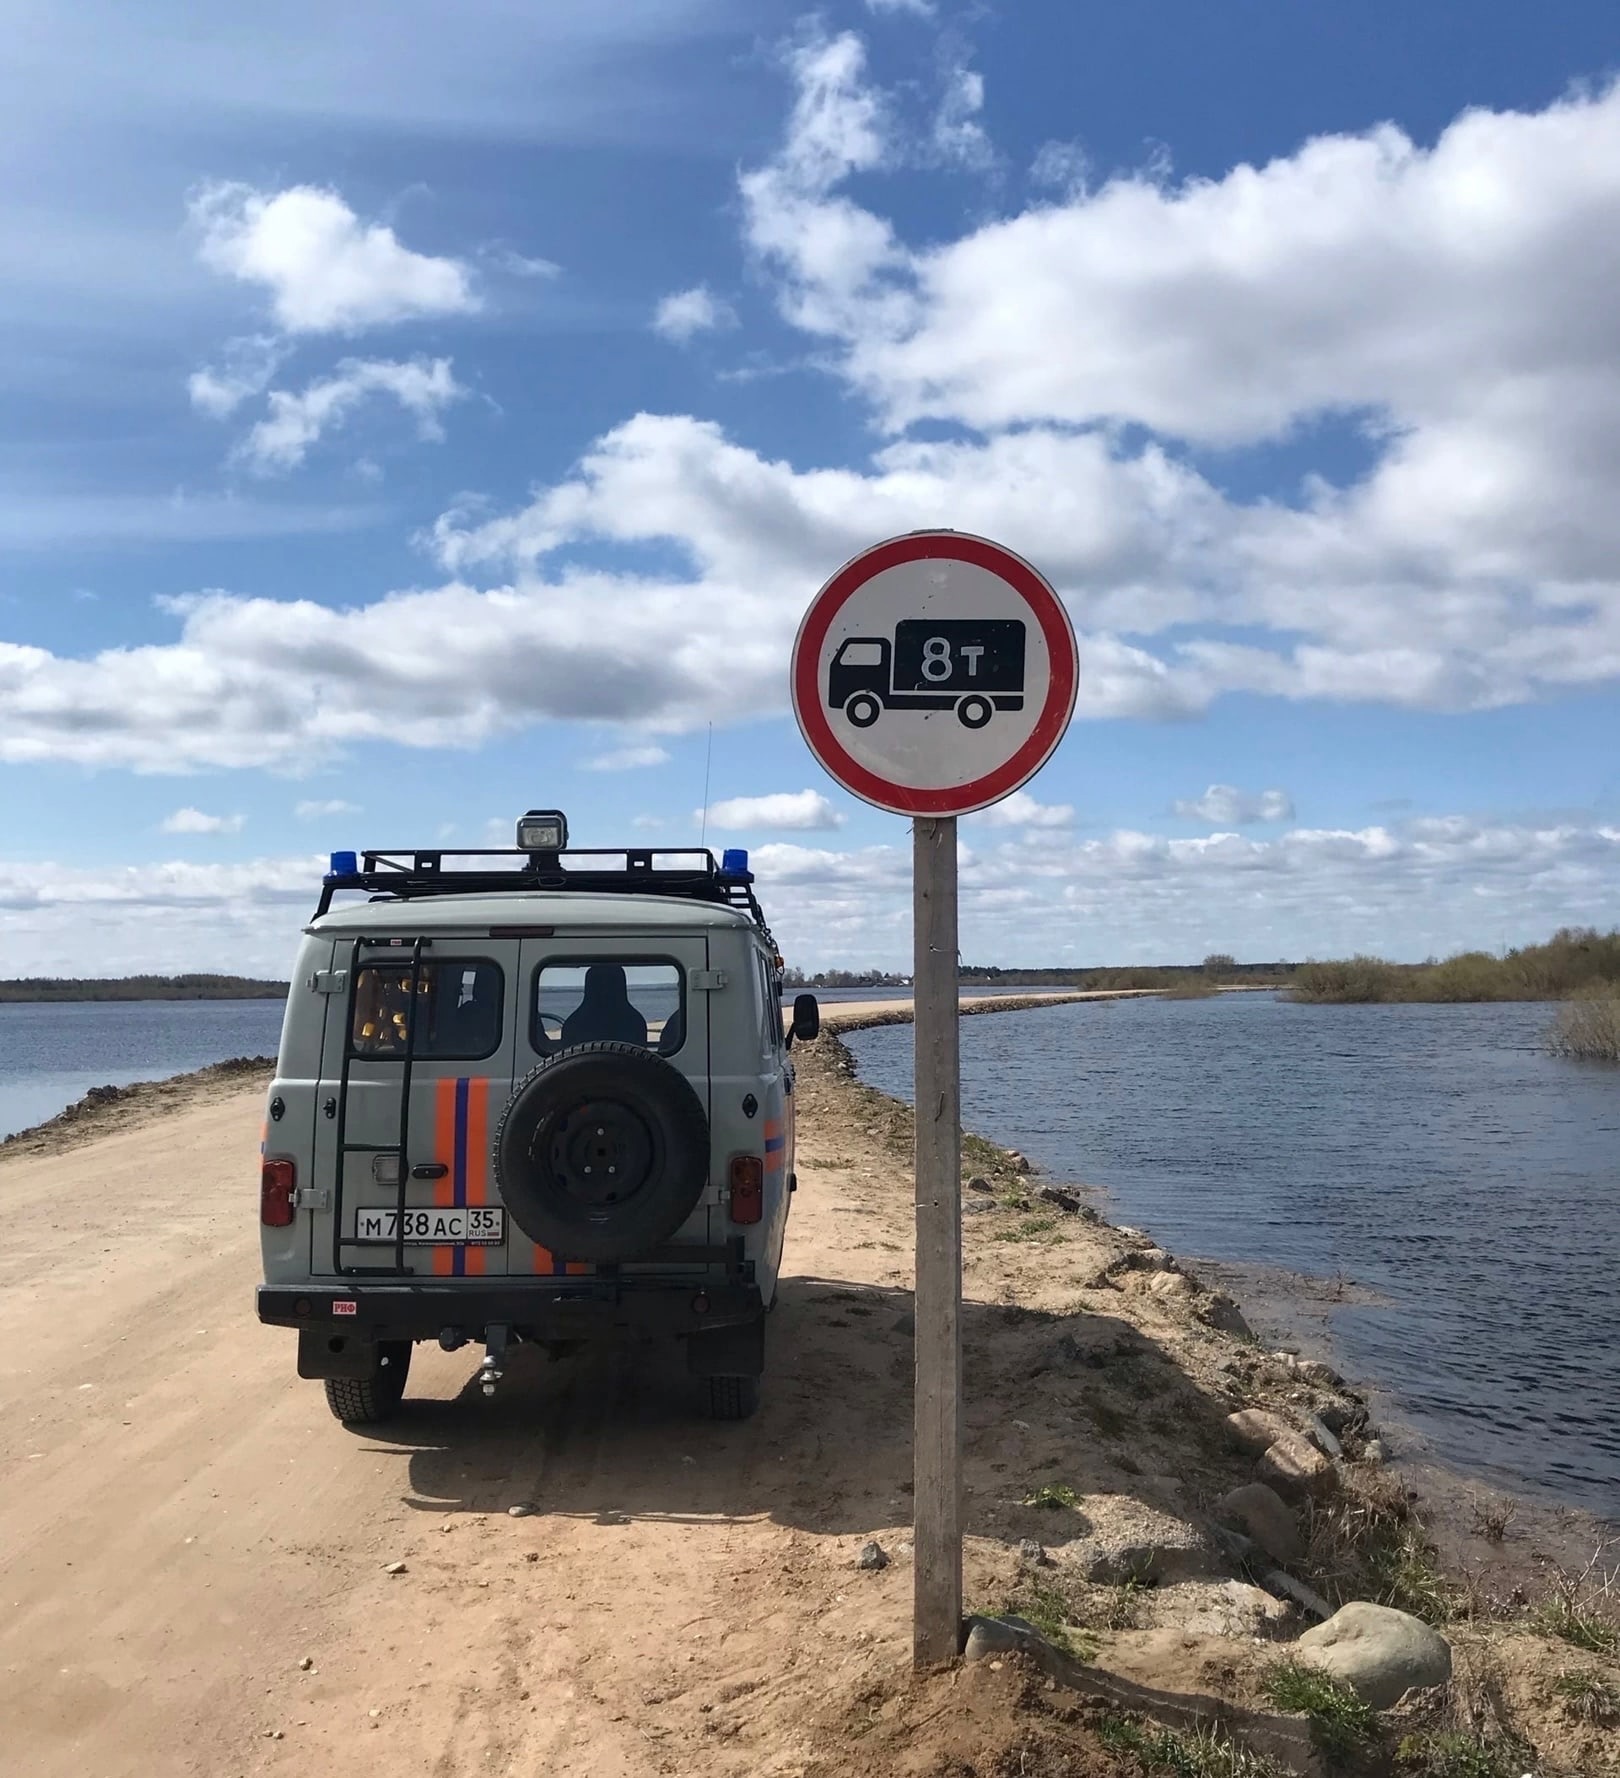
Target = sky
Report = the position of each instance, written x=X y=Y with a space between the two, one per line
x=417 y=413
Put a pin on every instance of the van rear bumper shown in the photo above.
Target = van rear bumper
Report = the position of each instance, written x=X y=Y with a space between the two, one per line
x=538 y=1309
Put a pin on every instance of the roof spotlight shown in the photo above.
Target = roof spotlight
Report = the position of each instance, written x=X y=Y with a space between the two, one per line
x=542 y=830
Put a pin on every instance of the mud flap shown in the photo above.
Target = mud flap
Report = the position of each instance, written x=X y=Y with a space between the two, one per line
x=737 y=1351
x=323 y=1354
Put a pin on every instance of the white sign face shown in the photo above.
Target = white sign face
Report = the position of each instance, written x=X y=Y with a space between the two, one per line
x=934 y=674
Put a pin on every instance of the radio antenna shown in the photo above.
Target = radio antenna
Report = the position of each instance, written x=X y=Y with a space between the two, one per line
x=708 y=761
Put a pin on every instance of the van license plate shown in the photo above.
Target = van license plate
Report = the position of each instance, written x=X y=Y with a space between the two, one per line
x=453 y=1225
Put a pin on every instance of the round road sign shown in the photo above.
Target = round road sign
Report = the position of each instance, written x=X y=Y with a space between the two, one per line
x=935 y=673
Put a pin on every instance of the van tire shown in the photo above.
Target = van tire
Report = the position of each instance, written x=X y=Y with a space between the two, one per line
x=368 y=1401
x=732 y=1398
x=655 y=1128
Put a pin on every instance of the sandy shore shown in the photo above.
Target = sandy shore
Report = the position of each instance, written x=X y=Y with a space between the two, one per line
x=193 y=1555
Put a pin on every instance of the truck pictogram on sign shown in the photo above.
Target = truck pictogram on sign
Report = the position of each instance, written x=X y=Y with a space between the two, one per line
x=972 y=666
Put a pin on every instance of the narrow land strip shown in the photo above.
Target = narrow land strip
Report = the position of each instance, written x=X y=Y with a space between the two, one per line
x=194 y=1557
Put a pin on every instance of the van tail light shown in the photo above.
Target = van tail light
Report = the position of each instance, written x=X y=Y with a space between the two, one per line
x=747 y=1188
x=278 y=1185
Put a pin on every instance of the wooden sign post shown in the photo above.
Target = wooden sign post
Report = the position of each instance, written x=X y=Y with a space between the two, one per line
x=937 y=1532
x=933 y=675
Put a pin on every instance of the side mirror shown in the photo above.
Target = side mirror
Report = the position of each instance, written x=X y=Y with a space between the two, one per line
x=806 y=1018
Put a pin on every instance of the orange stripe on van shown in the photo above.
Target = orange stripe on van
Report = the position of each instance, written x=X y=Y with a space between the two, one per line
x=477 y=1160
x=444 y=1152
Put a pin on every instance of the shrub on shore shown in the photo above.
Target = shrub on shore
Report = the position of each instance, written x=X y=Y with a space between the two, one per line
x=1574 y=961
x=1588 y=1025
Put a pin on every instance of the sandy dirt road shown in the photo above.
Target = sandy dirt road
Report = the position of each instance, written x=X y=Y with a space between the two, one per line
x=182 y=1524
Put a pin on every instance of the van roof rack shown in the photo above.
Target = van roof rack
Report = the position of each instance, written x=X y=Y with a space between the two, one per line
x=405 y=873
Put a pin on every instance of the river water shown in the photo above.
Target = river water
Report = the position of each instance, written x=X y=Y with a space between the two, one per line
x=52 y=1053
x=1435 y=1154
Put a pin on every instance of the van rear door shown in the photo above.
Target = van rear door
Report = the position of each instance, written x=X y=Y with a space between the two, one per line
x=416 y=1067
x=576 y=989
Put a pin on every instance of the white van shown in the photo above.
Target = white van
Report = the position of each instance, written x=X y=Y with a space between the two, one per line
x=533 y=1095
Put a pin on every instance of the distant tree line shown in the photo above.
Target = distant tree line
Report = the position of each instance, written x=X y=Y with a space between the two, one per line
x=1577 y=960
x=1191 y=978
x=142 y=987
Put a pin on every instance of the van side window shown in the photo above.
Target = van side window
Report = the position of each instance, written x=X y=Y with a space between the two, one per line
x=637 y=1000
x=772 y=1032
x=457 y=1013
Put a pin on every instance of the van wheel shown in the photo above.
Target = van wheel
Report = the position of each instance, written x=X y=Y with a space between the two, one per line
x=732 y=1398
x=368 y=1401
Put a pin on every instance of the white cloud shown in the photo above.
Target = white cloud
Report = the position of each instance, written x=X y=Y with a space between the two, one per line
x=686 y=313
x=519 y=265
x=424 y=387
x=1224 y=805
x=1022 y=810
x=1424 y=888
x=1065 y=165
x=958 y=137
x=246 y=370
x=325 y=269
x=833 y=258
x=316 y=811
x=1138 y=545
x=1428 y=888
x=195 y=821
x=628 y=759
x=801 y=811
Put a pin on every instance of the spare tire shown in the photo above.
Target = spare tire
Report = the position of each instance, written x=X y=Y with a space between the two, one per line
x=602 y=1152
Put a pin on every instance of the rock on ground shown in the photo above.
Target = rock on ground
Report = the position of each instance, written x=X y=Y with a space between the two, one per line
x=1129 y=1540
x=1221 y=1608
x=1254 y=1429
x=1221 y=1313
x=1379 y=1652
x=1261 y=1515
x=1294 y=1467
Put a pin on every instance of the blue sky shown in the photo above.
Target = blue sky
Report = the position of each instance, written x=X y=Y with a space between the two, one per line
x=424 y=412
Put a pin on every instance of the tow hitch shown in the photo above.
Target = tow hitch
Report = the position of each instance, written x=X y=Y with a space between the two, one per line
x=490 y=1371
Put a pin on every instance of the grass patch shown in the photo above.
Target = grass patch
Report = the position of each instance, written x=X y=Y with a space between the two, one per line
x=1580 y=1606
x=1200 y=1753
x=1369 y=1544
x=1571 y=1622
x=1052 y=1496
x=1341 y=1724
x=1032 y=1228
x=1587 y=1027
x=1589 y=1695
x=1124 y=1607
x=1458 y=1756
x=1052 y=1612
x=1492 y=1518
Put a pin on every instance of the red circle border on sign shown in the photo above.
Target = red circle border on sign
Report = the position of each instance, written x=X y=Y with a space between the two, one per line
x=962 y=799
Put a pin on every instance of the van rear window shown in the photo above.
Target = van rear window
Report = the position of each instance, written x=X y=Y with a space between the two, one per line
x=457 y=1011
x=609 y=1000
